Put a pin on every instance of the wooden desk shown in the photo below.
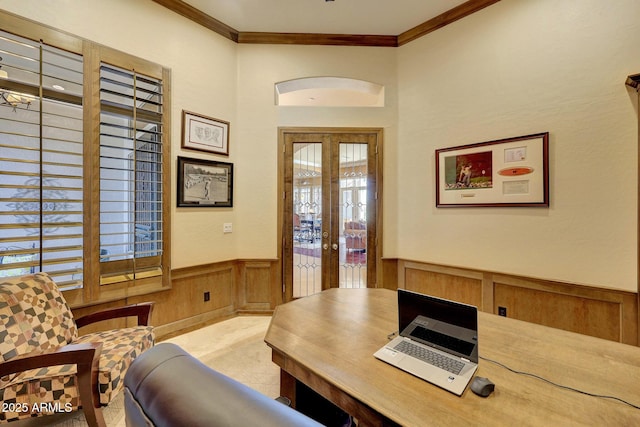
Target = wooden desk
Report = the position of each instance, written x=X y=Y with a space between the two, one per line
x=327 y=341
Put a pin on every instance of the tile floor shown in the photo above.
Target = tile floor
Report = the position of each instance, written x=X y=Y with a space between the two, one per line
x=236 y=348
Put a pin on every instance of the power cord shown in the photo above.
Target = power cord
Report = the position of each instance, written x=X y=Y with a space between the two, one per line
x=558 y=385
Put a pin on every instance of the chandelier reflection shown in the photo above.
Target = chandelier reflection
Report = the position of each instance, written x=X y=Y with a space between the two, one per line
x=14 y=100
x=10 y=98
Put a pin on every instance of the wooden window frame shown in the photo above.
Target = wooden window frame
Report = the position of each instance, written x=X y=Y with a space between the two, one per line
x=93 y=54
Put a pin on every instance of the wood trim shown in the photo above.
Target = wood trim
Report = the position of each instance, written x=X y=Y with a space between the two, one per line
x=132 y=63
x=247 y=37
x=166 y=177
x=374 y=274
x=446 y=18
x=91 y=136
x=195 y=15
x=633 y=81
x=25 y=27
x=318 y=39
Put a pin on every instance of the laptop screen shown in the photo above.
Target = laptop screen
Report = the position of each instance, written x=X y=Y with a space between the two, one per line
x=414 y=306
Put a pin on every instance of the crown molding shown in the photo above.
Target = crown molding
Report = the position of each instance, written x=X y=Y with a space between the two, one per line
x=318 y=39
x=446 y=18
x=197 y=16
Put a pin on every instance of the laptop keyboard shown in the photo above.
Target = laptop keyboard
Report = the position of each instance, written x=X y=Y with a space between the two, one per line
x=436 y=359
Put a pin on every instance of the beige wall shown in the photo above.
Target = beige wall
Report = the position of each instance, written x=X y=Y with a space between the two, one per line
x=204 y=80
x=515 y=68
x=216 y=77
x=260 y=67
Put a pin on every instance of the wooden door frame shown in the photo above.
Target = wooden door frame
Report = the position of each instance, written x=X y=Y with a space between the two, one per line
x=375 y=241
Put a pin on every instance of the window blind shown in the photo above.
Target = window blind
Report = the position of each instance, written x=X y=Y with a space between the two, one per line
x=41 y=161
x=131 y=172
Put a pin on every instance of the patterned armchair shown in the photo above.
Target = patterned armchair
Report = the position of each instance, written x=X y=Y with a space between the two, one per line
x=46 y=367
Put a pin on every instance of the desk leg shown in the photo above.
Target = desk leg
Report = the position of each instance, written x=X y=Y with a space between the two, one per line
x=288 y=387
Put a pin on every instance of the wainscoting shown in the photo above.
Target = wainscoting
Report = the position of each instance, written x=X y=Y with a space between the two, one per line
x=233 y=287
x=205 y=294
x=603 y=313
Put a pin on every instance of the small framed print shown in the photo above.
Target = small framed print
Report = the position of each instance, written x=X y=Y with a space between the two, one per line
x=506 y=172
x=205 y=133
x=204 y=183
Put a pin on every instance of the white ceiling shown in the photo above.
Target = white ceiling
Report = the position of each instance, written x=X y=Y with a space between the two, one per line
x=361 y=17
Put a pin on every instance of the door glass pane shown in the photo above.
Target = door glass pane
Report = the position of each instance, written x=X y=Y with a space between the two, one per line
x=353 y=216
x=307 y=219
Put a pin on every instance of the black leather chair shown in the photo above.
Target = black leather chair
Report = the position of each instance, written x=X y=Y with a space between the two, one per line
x=166 y=386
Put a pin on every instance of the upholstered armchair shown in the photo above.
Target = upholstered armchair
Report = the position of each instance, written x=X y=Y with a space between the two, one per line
x=46 y=367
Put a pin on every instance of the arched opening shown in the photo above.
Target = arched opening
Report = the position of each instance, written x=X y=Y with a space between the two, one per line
x=329 y=92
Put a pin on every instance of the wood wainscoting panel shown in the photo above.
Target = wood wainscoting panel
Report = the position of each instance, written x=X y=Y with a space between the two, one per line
x=205 y=294
x=443 y=282
x=388 y=273
x=256 y=285
x=604 y=313
x=184 y=307
x=217 y=280
x=572 y=313
x=600 y=312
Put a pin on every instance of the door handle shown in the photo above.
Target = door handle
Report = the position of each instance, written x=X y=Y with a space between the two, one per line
x=334 y=246
x=325 y=246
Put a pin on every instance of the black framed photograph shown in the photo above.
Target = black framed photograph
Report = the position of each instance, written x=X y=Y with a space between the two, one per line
x=205 y=133
x=506 y=172
x=204 y=183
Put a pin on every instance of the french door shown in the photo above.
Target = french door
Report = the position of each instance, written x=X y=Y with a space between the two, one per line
x=329 y=210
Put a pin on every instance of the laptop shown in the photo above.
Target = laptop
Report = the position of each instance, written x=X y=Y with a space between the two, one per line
x=438 y=340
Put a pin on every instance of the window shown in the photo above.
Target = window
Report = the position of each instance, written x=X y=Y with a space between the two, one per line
x=84 y=164
x=130 y=175
x=41 y=161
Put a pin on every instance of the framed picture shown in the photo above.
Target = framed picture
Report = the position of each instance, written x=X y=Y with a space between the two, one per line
x=507 y=172
x=204 y=183
x=204 y=133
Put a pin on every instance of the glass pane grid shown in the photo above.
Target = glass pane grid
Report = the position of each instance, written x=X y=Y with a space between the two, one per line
x=307 y=219
x=353 y=215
